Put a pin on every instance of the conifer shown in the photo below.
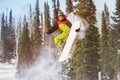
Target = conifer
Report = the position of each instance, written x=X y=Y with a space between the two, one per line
x=55 y=12
x=24 y=49
x=85 y=59
x=69 y=5
x=47 y=16
x=36 y=35
x=115 y=37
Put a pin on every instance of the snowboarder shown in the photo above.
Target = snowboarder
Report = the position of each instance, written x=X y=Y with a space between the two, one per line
x=64 y=27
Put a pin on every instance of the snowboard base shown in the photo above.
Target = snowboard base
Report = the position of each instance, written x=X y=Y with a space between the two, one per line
x=68 y=45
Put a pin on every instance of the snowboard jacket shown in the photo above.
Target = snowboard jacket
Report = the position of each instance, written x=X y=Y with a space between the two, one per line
x=57 y=25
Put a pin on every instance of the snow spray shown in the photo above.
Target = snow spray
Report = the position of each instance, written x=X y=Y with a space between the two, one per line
x=78 y=22
x=46 y=66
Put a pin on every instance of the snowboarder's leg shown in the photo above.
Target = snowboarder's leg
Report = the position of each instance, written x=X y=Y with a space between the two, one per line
x=58 y=39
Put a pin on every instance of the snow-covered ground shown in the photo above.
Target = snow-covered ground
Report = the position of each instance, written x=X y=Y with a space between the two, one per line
x=7 y=71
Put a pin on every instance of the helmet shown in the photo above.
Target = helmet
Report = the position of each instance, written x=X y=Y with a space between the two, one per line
x=60 y=13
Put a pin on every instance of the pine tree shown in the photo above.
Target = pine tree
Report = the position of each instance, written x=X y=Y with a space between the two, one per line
x=77 y=70
x=85 y=60
x=85 y=10
x=3 y=34
x=6 y=47
x=30 y=12
x=106 y=57
x=69 y=5
x=115 y=37
x=58 y=5
x=24 y=49
x=18 y=29
x=6 y=42
x=36 y=35
x=30 y=19
x=55 y=12
x=46 y=16
x=116 y=26
x=11 y=35
x=18 y=34
x=8 y=38
x=37 y=12
x=41 y=19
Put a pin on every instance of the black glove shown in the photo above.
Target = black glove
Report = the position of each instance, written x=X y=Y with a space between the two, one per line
x=77 y=30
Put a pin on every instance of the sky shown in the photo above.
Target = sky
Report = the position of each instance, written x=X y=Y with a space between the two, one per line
x=21 y=7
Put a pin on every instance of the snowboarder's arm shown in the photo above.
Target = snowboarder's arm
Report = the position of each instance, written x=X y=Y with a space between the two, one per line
x=52 y=29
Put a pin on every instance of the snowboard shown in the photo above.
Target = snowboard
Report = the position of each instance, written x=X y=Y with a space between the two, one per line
x=68 y=45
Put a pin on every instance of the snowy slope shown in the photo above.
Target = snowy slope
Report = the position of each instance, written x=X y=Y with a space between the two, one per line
x=7 y=71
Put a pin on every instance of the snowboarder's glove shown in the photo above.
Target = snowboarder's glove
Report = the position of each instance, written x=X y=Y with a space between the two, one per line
x=77 y=30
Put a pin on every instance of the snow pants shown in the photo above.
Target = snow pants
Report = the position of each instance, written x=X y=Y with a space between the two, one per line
x=63 y=36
